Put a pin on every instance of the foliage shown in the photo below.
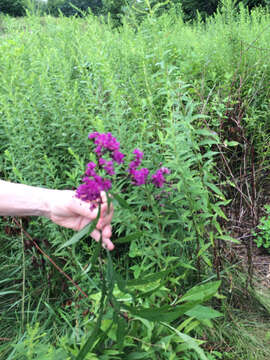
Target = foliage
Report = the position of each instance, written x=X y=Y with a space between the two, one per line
x=262 y=235
x=206 y=8
x=187 y=95
x=12 y=7
x=116 y=9
x=75 y=7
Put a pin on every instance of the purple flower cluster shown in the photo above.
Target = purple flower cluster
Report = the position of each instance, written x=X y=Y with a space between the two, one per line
x=138 y=177
x=108 y=146
x=92 y=185
x=107 y=143
x=158 y=178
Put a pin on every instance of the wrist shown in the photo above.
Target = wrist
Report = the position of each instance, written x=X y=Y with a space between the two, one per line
x=41 y=202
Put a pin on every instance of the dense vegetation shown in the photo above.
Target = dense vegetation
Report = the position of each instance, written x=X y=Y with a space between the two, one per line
x=194 y=97
x=118 y=8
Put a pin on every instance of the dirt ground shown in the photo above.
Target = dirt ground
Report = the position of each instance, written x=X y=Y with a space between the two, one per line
x=260 y=260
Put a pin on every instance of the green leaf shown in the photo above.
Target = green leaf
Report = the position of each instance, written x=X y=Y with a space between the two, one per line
x=121 y=201
x=186 y=266
x=231 y=143
x=160 y=314
x=205 y=132
x=201 y=293
x=229 y=238
x=110 y=274
x=216 y=190
x=150 y=278
x=95 y=333
x=128 y=238
x=203 y=312
x=95 y=255
x=121 y=331
x=78 y=236
x=2 y=293
x=189 y=341
x=203 y=248
x=207 y=142
x=218 y=211
x=85 y=231
x=146 y=294
x=138 y=355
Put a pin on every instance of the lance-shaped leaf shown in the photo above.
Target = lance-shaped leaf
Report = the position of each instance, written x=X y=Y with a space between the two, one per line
x=165 y=313
x=201 y=293
x=189 y=341
x=85 y=231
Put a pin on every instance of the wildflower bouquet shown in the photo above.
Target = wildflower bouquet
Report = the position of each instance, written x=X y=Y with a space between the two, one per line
x=100 y=175
x=108 y=153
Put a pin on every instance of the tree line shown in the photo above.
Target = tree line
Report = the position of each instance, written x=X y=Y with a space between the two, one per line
x=117 y=8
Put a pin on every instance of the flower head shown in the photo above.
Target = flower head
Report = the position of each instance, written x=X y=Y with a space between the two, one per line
x=118 y=157
x=107 y=149
x=92 y=184
x=107 y=166
x=105 y=142
x=158 y=178
x=135 y=163
x=139 y=177
x=90 y=169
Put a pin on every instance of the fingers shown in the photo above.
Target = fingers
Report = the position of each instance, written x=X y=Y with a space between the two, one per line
x=104 y=221
x=105 y=216
x=96 y=235
x=108 y=244
x=103 y=227
x=84 y=208
x=106 y=234
x=104 y=197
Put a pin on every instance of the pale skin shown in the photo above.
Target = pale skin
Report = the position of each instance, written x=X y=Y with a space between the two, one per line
x=60 y=206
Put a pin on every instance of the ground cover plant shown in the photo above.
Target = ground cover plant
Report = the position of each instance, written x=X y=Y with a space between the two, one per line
x=192 y=97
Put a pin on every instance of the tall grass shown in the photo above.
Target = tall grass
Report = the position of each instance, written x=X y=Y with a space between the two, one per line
x=171 y=89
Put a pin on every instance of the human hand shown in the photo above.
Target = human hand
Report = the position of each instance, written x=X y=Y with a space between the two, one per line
x=69 y=211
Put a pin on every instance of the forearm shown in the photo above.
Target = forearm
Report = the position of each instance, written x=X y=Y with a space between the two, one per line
x=23 y=200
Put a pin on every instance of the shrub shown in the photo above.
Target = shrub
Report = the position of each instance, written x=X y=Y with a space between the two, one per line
x=74 y=7
x=12 y=7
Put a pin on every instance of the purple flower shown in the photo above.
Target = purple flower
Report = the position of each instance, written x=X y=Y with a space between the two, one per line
x=103 y=184
x=93 y=184
x=91 y=188
x=107 y=166
x=107 y=143
x=165 y=170
x=139 y=154
x=104 y=142
x=158 y=178
x=135 y=163
x=88 y=191
x=139 y=177
x=93 y=135
x=101 y=161
x=90 y=169
x=118 y=157
x=107 y=147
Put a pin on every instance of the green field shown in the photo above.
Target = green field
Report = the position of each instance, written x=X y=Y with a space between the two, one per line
x=194 y=97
